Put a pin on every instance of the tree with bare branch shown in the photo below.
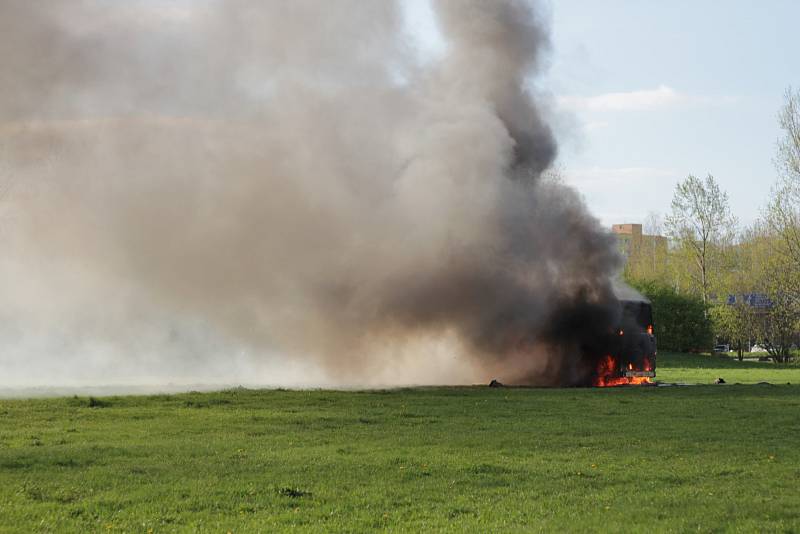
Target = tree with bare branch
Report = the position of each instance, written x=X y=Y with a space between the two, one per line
x=783 y=211
x=782 y=217
x=702 y=225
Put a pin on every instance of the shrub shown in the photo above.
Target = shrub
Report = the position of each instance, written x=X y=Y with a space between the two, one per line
x=680 y=321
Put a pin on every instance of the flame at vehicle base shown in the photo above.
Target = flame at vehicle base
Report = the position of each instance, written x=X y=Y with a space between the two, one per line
x=609 y=375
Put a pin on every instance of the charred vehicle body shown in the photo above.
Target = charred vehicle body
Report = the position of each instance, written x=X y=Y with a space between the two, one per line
x=632 y=358
x=637 y=343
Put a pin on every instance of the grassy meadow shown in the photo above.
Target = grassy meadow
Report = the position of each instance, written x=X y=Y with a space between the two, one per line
x=705 y=368
x=707 y=458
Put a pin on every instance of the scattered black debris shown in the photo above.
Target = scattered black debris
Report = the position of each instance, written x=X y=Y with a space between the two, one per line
x=294 y=493
x=719 y=381
x=495 y=384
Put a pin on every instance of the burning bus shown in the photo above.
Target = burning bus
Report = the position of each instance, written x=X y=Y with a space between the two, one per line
x=632 y=355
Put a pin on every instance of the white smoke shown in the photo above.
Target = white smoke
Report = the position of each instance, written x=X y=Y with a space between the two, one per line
x=282 y=192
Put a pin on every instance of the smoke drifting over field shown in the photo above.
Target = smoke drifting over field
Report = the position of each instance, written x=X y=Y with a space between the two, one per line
x=282 y=192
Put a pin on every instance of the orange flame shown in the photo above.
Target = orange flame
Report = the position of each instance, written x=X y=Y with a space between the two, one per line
x=608 y=375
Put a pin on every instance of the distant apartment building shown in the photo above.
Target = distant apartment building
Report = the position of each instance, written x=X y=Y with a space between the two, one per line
x=632 y=241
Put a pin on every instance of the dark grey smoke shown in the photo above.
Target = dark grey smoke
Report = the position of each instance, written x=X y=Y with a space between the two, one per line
x=277 y=191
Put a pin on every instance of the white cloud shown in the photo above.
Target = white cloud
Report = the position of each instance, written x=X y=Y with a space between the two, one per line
x=642 y=100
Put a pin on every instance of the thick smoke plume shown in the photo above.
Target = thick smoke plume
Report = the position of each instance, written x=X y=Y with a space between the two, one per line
x=286 y=191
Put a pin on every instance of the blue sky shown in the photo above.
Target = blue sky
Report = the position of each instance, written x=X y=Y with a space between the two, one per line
x=650 y=91
x=658 y=90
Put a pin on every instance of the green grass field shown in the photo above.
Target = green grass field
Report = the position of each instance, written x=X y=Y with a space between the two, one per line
x=704 y=369
x=707 y=458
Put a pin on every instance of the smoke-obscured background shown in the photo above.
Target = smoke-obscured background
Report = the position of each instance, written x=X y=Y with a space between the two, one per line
x=286 y=193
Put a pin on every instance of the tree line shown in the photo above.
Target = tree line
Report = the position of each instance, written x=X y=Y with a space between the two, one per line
x=718 y=281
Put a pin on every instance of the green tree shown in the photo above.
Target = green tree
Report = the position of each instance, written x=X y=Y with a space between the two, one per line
x=778 y=327
x=781 y=280
x=735 y=323
x=783 y=212
x=742 y=273
x=788 y=160
x=702 y=226
x=778 y=324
